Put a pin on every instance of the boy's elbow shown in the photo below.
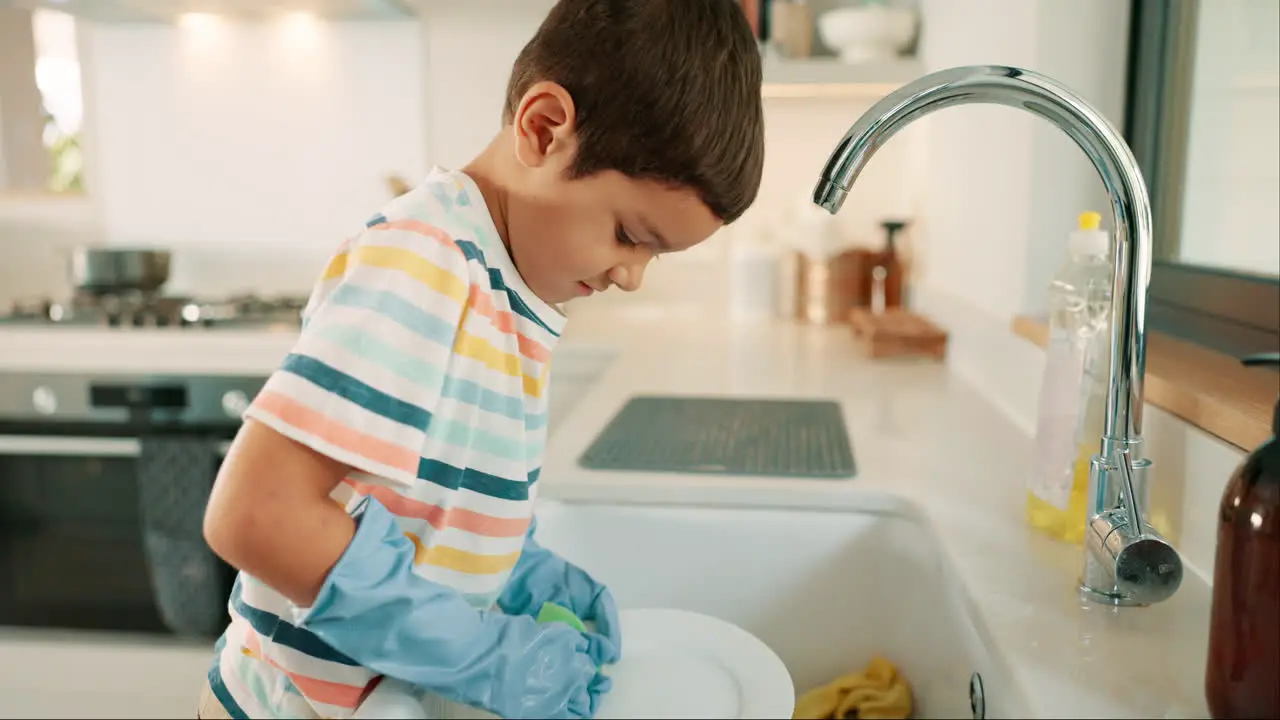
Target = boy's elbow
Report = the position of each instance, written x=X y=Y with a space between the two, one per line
x=229 y=528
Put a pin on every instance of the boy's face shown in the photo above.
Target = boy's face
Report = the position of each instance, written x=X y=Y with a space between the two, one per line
x=570 y=238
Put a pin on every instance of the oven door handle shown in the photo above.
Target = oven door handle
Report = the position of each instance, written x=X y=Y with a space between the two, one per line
x=76 y=446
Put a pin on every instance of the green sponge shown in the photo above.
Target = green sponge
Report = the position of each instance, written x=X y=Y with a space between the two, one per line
x=552 y=612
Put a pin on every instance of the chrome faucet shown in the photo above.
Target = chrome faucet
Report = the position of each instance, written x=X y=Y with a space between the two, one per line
x=1126 y=562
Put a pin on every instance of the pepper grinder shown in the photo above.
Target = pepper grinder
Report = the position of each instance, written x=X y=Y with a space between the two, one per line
x=887 y=261
x=878 y=275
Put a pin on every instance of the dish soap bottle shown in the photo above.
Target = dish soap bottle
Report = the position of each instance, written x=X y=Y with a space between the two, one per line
x=1074 y=387
x=1242 y=678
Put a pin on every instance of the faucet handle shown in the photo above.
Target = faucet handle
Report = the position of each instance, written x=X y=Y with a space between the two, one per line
x=1132 y=564
x=1140 y=569
x=1128 y=496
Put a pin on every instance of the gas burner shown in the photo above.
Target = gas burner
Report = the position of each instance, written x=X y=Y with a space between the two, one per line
x=141 y=310
x=245 y=309
x=128 y=309
x=35 y=309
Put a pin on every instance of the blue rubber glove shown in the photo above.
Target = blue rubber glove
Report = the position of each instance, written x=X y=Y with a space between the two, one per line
x=542 y=576
x=376 y=610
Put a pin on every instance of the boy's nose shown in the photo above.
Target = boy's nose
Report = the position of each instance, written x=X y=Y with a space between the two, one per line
x=628 y=277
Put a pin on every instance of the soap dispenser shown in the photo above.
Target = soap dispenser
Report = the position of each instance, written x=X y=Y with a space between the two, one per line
x=1242 y=677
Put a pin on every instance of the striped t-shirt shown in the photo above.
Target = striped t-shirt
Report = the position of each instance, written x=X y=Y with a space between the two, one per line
x=423 y=364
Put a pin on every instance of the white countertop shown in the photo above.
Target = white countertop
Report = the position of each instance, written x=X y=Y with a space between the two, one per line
x=143 y=351
x=923 y=440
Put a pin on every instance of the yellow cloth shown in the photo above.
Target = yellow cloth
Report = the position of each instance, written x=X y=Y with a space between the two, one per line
x=878 y=693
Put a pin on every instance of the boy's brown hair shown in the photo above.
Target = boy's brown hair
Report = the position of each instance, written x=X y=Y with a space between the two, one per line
x=665 y=90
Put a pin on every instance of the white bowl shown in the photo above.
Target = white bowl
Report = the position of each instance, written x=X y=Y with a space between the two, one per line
x=868 y=33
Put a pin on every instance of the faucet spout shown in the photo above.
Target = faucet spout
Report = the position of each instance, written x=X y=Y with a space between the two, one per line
x=1116 y=570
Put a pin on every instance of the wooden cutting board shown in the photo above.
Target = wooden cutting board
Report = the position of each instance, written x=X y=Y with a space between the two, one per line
x=897 y=332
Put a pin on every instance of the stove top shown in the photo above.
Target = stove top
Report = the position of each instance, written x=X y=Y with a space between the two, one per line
x=141 y=310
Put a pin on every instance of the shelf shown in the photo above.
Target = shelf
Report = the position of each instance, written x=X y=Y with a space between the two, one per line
x=829 y=77
x=167 y=11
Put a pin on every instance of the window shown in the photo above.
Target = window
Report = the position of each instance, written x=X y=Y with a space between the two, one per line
x=1203 y=117
x=42 y=102
x=58 y=78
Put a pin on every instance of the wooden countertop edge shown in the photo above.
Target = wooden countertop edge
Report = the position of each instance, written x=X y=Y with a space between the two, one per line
x=1208 y=389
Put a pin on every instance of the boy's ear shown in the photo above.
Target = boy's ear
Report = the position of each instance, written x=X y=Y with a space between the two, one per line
x=543 y=125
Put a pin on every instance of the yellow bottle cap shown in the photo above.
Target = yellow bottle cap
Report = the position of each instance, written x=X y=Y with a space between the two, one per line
x=1090 y=220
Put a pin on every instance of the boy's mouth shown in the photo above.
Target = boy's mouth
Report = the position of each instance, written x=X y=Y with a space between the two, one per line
x=585 y=289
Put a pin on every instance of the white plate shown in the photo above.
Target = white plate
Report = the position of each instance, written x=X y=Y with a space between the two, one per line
x=679 y=664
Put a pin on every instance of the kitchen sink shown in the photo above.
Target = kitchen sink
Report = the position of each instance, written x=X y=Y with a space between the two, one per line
x=826 y=590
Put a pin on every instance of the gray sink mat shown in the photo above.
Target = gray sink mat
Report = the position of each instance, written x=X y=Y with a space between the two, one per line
x=726 y=436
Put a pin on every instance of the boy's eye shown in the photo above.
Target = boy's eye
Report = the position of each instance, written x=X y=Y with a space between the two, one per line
x=624 y=238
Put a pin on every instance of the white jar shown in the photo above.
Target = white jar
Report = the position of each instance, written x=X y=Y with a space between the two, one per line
x=753 y=281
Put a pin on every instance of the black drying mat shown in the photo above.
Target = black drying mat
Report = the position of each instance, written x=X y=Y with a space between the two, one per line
x=726 y=436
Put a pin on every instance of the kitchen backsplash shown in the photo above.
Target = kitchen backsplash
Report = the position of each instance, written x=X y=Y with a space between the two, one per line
x=36 y=233
x=799 y=136
x=252 y=164
x=250 y=133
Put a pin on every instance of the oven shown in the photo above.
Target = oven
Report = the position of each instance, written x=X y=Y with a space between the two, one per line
x=103 y=483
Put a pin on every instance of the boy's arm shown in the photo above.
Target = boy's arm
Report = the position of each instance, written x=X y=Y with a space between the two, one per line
x=270 y=514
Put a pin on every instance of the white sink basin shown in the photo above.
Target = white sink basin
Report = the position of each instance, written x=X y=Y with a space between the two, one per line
x=825 y=590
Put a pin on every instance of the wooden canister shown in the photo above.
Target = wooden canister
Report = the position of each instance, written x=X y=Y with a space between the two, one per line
x=826 y=290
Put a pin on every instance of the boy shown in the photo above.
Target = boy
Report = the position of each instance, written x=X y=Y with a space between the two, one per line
x=378 y=500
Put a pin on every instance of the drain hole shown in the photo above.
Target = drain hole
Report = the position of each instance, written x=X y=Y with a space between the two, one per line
x=977 y=701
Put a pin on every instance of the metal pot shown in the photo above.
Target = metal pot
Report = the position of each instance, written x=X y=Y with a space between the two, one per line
x=108 y=270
